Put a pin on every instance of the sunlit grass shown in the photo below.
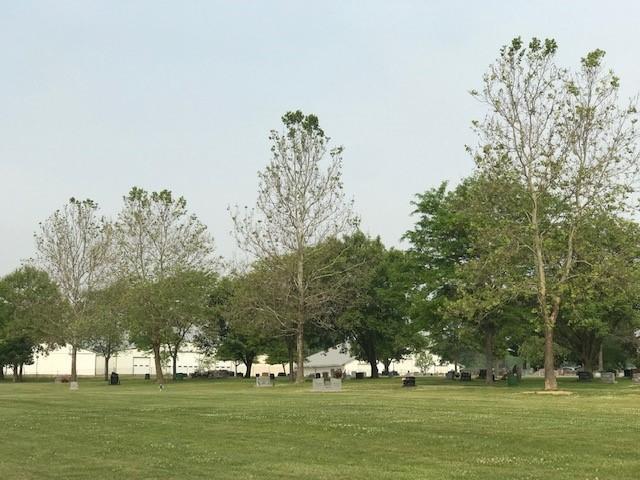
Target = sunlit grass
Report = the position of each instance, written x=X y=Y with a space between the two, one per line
x=229 y=429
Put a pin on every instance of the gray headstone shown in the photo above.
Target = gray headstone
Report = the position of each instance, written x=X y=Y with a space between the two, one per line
x=264 y=382
x=327 y=384
x=636 y=378
x=73 y=386
x=608 y=377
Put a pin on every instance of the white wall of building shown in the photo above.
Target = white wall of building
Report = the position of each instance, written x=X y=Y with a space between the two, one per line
x=139 y=363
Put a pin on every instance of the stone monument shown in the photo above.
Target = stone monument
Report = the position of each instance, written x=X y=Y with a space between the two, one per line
x=608 y=377
x=327 y=384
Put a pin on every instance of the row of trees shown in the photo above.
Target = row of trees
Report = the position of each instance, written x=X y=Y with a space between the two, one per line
x=143 y=278
x=533 y=254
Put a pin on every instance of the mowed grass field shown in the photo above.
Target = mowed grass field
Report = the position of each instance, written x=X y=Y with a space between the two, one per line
x=374 y=429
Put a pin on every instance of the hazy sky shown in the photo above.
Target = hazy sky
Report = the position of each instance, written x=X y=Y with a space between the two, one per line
x=96 y=97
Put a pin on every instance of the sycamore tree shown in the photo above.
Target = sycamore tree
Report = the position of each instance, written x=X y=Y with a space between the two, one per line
x=300 y=205
x=158 y=242
x=569 y=144
x=73 y=247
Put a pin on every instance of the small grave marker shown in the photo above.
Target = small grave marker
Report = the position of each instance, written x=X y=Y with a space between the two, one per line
x=327 y=384
x=585 y=376
x=608 y=377
x=409 y=381
x=73 y=386
x=263 y=381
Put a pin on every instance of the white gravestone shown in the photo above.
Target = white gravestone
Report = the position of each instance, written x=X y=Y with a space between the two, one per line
x=264 y=382
x=73 y=386
x=608 y=377
x=327 y=384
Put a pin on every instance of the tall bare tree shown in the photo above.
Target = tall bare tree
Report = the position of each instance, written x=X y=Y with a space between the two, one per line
x=564 y=138
x=300 y=205
x=73 y=246
x=156 y=240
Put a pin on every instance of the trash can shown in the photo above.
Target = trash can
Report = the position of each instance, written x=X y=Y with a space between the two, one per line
x=147 y=376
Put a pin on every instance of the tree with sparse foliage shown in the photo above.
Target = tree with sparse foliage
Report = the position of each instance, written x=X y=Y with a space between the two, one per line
x=74 y=246
x=564 y=139
x=157 y=240
x=300 y=204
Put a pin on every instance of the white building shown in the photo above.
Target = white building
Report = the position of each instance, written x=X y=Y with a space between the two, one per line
x=339 y=358
x=138 y=362
x=128 y=362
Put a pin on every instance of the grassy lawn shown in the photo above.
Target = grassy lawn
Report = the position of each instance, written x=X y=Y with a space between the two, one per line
x=228 y=429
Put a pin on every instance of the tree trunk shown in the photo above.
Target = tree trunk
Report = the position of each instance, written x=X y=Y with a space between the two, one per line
x=1 y=372
x=174 y=358
x=74 y=369
x=248 y=364
x=290 y=352
x=158 y=363
x=550 y=382
x=488 y=356
x=301 y=310
x=106 y=367
x=600 y=359
x=16 y=378
x=374 y=367
x=386 y=362
x=20 y=371
x=300 y=348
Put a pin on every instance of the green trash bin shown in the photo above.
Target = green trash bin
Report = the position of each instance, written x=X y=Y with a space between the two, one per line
x=513 y=380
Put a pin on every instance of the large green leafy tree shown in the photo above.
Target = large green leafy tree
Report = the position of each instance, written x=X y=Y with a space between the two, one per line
x=374 y=314
x=231 y=332
x=602 y=302
x=464 y=291
x=167 y=310
x=439 y=242
x=31 y=317
x=108 y=322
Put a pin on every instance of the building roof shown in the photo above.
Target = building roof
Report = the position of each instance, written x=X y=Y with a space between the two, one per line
x=334 y=357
